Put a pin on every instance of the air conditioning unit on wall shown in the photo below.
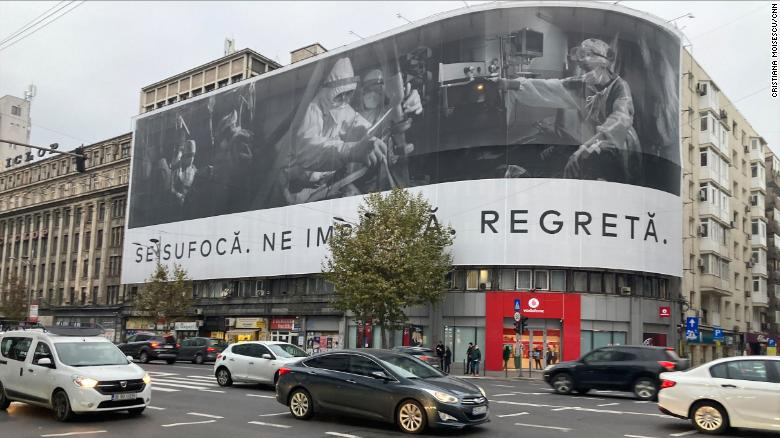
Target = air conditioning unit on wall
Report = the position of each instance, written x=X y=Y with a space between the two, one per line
x=625 y=291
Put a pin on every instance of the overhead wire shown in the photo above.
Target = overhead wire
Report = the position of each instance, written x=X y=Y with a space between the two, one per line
x=43 y=26
x=29 y=24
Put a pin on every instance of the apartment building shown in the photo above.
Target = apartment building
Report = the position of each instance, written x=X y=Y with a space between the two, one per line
x=725 y=240
x=769 y=316
x=15 y=125
x=62 y=232
x=231 y=68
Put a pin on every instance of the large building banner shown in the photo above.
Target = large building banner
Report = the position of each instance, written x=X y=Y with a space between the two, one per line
x=546 y=135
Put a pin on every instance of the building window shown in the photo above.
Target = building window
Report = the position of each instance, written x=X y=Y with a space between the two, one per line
x=703 y=122
x=523 y=279
x=472 y=280
x=541 y=280
x=580 y=281
x=97 y=267
x=595 y=282
x=754 y=170
x=99 y=239
x=84 y=268
x=101 y=211
x=558 y=280
x=16 y=110
x=125 y=150
x=703 y=158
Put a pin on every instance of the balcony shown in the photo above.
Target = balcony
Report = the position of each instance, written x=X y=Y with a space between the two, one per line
x=710 y=99
x=707 y=173
x=760 y=298
x=757 y=240
x=757 y=154
x=757 y=183
x=707 y=244
x=759 y=269
x=708 y=209
x=714 y=285
x=713 y=138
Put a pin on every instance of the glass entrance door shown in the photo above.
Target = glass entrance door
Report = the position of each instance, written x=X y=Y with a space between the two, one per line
x=538 y=346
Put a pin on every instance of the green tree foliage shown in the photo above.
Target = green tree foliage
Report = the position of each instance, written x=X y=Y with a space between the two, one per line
x=14 y=304
x=395 y=257
x=166 y=295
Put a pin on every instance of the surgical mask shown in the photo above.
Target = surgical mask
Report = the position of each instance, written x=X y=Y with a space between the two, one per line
x=371 y=100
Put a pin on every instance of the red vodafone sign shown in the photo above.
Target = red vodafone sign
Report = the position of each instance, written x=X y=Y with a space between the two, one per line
x=542 y=305
x=664 y=312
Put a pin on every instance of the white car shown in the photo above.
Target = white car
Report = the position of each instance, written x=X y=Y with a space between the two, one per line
x=70 y=371
x=254 y=362
x=742 y=391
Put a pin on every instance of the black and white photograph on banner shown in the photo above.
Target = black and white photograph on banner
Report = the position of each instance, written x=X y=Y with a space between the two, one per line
x=520 y=93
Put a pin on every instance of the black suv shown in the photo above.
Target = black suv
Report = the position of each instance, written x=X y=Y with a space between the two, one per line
x=618 y=368
x=148 y=346
x=199 y=350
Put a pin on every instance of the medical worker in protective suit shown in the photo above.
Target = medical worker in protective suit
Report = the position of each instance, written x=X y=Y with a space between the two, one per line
x=605 y=110
x=330 y=136
x=375 y=105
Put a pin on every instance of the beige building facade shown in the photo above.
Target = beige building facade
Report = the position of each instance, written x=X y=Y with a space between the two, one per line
x=15 y=125
x=725 y=228
x=62 y=233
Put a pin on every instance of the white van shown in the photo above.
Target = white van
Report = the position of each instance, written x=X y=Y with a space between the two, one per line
x=70 y=370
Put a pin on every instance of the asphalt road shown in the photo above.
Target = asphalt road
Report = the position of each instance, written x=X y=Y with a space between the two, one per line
x=186 y=401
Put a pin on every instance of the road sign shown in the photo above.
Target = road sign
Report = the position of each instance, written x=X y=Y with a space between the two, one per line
x=717 y=333
x=692 y=328
x=517 y=305
x=771 y=343
x=518 y=316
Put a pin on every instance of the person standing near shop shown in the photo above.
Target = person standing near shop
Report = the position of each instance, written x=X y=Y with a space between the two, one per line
x=447 y=359
x=518 y=355
x=476 y=357
x=506 y=355
x=549 y=357
x=469 y=351
x=440 y=354
x=538 y=358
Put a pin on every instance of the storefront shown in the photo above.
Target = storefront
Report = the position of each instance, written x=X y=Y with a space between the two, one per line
x=322 y=334
x=186 y=329
x=247 y=329
x=553 y=326
x=285 y=329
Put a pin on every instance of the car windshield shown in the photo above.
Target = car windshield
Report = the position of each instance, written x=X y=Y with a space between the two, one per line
x=286 y=350
x=89 y=354
x=409 y=367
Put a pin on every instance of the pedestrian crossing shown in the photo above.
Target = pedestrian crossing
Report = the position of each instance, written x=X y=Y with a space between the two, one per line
x=173 y=382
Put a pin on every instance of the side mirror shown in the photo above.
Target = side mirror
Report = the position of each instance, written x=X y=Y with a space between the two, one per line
x=266 y=356
x=129 y=358
x=380 y=375
x=45 y=362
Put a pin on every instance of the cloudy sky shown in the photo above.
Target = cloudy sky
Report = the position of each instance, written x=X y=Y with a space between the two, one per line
x=90 y=64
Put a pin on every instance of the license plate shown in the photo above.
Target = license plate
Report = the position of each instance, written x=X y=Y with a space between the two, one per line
x=169 y=346
x=124 y=396
x=479 y=410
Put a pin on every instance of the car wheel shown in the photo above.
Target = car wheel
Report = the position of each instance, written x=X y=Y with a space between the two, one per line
x=198 y=359
x=136 y=411
x=709 y=417
x=301 y=405
x=411 y=417
x=645 y=388
x=61 y=405
x=562 y=383
x=170 y=361
x=144 y=357
x=4 y=401
x=223 y=377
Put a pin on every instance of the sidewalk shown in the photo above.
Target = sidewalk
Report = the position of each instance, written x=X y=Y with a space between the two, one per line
x=457 y=371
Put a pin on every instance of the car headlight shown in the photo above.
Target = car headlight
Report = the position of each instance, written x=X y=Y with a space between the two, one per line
x=482 y=391
x=548 y=367
x=442 y=396
x=84 y=382
x=147 y=379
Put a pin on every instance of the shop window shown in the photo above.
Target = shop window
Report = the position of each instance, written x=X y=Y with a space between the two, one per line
x=558 y=280
x=541 y=280
x=609 y=283
x=472 y=280
x=523 y=279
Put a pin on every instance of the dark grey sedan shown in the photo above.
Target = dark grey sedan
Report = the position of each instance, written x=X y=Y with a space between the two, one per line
x=380 y=385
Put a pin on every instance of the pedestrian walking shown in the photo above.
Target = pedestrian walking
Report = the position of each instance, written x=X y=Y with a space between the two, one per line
x=447 y=359
x=548 y=357
x=467 y=368
x=476 y=356
x=440 y=354
x=506 y=355
x=538 y=358
x=518 y=355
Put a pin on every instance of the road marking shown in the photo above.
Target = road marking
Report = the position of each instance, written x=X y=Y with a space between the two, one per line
x=561 y=409
x=608 y=404
x=501 y=395
x=260 y=423
x=641 y=402
x=187 y=424
x=562 y=429
x=272 y=415
x=638 y=436
x=86 y=432
x=198 y=414
x=161 y=374
x=690 y=432
x=164 y=389
x=155 y=408
x=512 y=415
x=605 y=392
x=343 y=435
x=179 y=385
x=591 y=398
x=531 y=393
x=504 y=386
x=261 y=396
x=212 y=390
x=577 y=408
x=204 y=377
x=185 y=382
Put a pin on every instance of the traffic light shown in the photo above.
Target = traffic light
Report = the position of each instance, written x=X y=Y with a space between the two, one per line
x=81 y=165
x=520 y=324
